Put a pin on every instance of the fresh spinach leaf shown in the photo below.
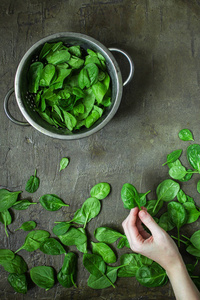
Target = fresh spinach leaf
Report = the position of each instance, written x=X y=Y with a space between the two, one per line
x=102 y=282
x=51 y=202
x=52 y=247
x=90 y=209
x=17 y=265
x=67 y=274
x=6 y=219
x=166 y=191
x=7 y=199
x=123 y=242
x=165 y=223
x=18 y=282
x=34 y=74
x=173 y=156
x=43 y=276
x=82 y=247
x=151 y=276
x=107 y=235
x=177 y=215
x=192 y=212
x=27 y=226
x=64 y=163
x=73 y=237
x=61 y=228
x=33 y=183
x=185 y=135
x=104 y=251
x=100 y=190
x=6 y=255
x=193 y=156
x=33 y=240
x=130 y=196
x=22 y=204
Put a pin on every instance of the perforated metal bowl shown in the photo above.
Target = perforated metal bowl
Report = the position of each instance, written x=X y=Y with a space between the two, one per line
x=25 y=100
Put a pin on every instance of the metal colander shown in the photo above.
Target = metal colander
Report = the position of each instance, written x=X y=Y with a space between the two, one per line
x=25 y=100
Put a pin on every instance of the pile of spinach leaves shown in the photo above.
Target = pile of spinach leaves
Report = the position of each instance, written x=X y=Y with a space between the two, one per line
x=172 y=208
x=71 y=87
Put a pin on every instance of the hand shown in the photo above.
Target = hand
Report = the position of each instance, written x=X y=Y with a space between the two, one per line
x=158 y=246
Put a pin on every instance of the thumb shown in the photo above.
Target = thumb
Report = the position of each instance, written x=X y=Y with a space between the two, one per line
x=149 y=222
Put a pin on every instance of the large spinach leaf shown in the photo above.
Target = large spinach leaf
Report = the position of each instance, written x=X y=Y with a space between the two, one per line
x=43 y=276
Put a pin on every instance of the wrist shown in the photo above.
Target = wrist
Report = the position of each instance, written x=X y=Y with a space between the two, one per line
x=177 y=267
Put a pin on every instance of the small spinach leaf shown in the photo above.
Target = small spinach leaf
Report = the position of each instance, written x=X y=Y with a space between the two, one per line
x=100 y=190
x=185 y=135
x=33 y=183
x=51 y=202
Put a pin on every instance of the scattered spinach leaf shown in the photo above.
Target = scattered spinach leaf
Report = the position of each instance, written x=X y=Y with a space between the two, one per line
x=64 y=163
x=7 y=199
x=33 y=183
x=185 y=135
x=43 y=276
x=27 y=226
x=51 y=202
x=18 y=282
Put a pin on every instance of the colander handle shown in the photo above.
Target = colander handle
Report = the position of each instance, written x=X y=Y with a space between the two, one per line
x=6 y=99
x=130 y=76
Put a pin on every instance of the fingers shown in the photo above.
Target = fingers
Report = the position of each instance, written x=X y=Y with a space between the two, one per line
x=149 y=222
x=130 y=228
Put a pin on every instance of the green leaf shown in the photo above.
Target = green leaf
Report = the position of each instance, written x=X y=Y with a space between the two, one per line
x=18 y=282
x=177 y=172
x=51 y=202
x=130 y=196
x=130 y=264
x=27 y=226
x=185 y=135
x=100 y=190
x=16 y=265
x=34 y=74
x=193 y=156
x=181 y=196
x=22 y=204
x=94 y=264
x=107 y=235
x=102 y=282
x=195 y=239
x=6 y=219
x=73 y=237
x=90 y=209
x=43 y=276
x=177 y=215
x=173 y=156
x=165 y=223
x=104 y=251
x=61 y=228
x=192 y=213
x=64 y=163
x=7 y=199
x=52 y=247
x=151 y=276
x=34 y=239
x=198 y=186
x=6 y=255
x=67 y=274
x=32 y=184
x=167 y=190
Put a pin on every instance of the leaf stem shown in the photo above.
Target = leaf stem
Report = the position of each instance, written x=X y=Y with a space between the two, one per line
x=156 y=205
x=184 y=242
x=185 y=237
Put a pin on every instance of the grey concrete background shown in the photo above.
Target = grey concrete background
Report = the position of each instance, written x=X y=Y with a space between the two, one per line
x=163 y=39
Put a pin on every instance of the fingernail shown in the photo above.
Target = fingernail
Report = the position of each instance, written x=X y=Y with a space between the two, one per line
x=143 y=213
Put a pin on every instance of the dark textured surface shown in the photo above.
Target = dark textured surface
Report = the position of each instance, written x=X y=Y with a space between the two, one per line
x=163 y=39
